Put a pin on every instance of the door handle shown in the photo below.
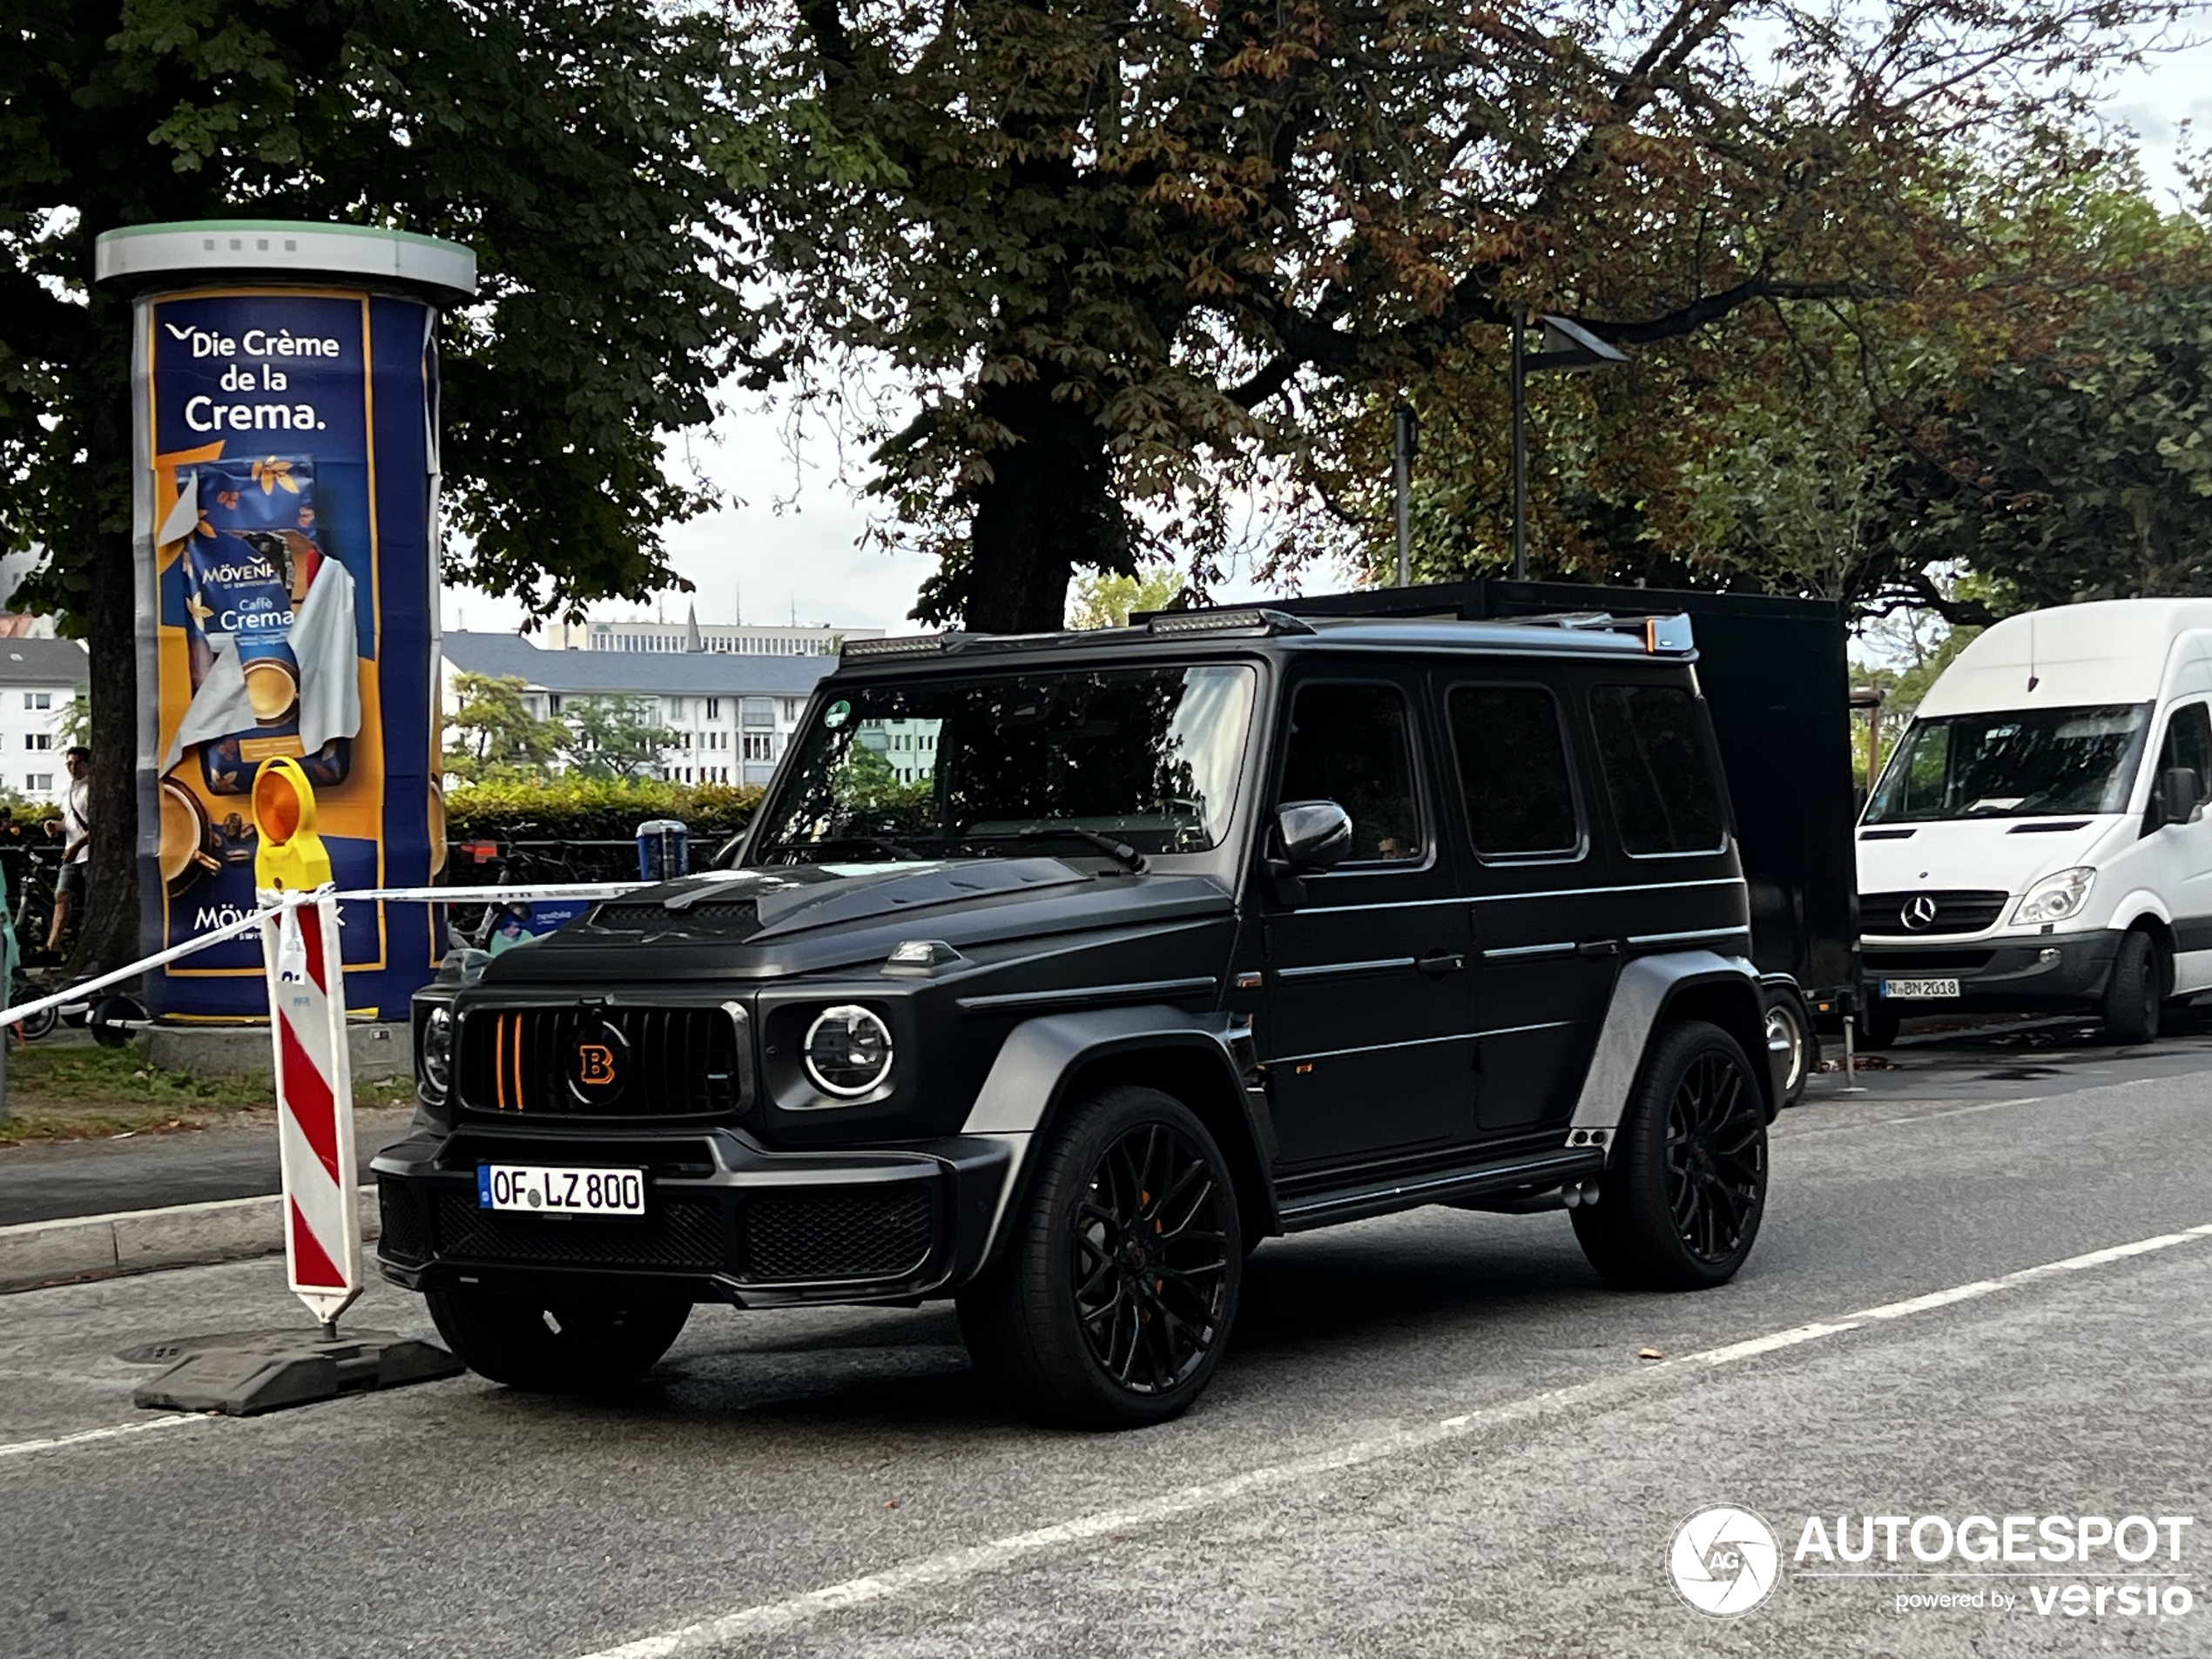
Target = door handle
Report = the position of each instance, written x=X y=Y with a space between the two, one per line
x=1598 y=947
x=1441 y=961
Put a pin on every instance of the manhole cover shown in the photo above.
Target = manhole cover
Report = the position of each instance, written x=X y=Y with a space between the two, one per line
x=169 y=1350
x=2020 y=1073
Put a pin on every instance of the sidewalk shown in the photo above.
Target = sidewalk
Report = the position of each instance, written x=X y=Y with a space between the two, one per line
x=51 y=1180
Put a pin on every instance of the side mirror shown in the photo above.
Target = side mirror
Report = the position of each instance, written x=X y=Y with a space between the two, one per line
x=1315 y=834
x=2177 y=798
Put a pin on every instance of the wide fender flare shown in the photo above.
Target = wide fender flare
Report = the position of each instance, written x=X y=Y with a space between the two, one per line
x=1646 y=988
x=1028 y=1083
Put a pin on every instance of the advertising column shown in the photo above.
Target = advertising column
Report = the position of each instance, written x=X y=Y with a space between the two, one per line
x=286 y=393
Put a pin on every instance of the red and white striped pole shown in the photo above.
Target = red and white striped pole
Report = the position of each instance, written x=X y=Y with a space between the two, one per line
x=314 y=1066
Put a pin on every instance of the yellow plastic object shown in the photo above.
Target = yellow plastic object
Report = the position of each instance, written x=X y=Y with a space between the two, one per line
x=291 y=856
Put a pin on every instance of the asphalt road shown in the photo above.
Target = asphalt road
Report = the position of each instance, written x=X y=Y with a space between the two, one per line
x=1434 y=1435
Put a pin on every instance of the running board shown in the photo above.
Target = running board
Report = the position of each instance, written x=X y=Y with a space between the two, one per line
x=1548 y=1169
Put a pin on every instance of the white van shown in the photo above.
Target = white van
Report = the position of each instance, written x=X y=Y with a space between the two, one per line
x=2038 y=840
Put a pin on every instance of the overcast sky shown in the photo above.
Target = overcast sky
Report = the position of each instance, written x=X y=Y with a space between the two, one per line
x=788 y=541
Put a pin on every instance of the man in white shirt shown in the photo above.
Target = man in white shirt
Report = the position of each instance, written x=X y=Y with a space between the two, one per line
x=76 y=833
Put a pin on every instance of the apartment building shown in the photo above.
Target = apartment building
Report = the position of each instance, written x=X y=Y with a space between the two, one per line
x=731 y=713
x=40 y=683
x=690 y=636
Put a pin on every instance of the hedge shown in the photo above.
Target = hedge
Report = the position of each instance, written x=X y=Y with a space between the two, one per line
x=592 y=809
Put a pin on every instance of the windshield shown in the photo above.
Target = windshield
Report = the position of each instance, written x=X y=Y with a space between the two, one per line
x=1076 y=760
x=2014 y=764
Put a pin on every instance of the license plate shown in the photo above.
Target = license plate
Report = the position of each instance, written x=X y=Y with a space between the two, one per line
x=557 y=1190
x=1908 y=989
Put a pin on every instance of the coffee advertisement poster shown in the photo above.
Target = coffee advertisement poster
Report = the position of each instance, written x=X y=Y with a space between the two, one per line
x=287 y=593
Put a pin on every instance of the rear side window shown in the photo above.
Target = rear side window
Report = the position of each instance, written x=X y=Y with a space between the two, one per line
x=1353 y=745
x=1513 y=770
x=2188 y=742
x=1658 y=770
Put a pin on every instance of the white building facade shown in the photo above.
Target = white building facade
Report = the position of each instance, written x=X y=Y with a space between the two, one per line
x=725 y=639
x=729 y=715
x=41 y=682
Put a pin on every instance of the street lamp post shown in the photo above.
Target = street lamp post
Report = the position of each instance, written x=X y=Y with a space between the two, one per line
x=1566 y=346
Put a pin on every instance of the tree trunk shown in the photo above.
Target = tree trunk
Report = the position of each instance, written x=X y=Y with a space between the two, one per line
x=1049 y=506
x=108 y=930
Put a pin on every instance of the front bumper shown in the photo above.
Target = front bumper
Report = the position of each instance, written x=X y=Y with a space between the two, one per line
x=2055 y=972
x=726 y=1220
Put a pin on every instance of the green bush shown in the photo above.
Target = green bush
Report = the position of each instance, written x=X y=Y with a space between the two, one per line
x=569 y=808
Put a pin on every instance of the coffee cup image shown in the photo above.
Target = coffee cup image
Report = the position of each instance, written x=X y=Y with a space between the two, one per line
x=185 y=834
x=271 y=688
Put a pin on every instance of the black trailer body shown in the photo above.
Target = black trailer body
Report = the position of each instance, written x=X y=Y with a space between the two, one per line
x=1774 y=676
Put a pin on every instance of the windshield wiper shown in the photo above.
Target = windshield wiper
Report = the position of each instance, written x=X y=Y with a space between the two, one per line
x=1120 y=851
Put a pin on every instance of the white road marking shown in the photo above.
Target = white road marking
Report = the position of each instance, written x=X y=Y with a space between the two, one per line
x=114 y=1432
x=931 y=1571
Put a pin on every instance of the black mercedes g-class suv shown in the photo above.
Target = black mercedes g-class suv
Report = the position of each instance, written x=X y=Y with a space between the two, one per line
x=1057 y=972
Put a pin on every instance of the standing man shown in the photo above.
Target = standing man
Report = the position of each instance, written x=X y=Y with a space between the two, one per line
x=76 y=833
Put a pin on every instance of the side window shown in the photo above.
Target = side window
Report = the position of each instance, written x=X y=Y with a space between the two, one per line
x=1513 y=771
x=2188 y=742
x=1658 y=771
x=1352 y=745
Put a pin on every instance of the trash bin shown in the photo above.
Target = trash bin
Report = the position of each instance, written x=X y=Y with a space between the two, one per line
x=664 y=849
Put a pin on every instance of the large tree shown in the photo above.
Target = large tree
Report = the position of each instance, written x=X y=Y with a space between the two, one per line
x=569 y=142
x=1133 y=252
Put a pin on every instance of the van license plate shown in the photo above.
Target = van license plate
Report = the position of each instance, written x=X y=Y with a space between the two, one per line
x=552 y=1189
x=1908 y=989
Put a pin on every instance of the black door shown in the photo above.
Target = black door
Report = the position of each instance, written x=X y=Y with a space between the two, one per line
x=1544 y=922
x=1369 y=1005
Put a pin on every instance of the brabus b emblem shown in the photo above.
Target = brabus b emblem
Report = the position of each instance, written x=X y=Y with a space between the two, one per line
x=597 y=1065
x=1919 y=912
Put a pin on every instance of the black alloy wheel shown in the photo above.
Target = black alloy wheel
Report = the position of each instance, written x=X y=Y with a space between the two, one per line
x=1679 y=1208
x=1715 y=1156
x=1150 y=1259
x=1117 y=1286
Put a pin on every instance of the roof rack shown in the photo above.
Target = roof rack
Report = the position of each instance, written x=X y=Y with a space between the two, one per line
x=1667 y=636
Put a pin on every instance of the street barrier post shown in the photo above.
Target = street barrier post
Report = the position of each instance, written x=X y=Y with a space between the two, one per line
x=322 y=1237
x=313 y=1065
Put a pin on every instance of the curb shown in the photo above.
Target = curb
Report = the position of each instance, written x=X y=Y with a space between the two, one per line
x=137 y=1241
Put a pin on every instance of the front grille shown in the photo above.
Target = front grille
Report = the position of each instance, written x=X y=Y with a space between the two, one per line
x=1927 y=961
x=857 y=1233
x=664 y=1062
x=1882 y=913
x=404 y=1231
x=675 y=1232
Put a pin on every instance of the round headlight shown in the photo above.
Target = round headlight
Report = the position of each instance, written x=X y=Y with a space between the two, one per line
x=848 y=1051
x=437 y=1049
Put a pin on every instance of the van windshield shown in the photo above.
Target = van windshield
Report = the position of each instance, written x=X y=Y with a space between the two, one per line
x=1144 y=760
x=2013 y=764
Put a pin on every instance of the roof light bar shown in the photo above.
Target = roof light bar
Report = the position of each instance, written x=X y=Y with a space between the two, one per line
x=1248 y=620
x=898 y=645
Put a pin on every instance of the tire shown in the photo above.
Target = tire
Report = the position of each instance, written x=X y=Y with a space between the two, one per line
x=556 y=1344
x=1877 y=1028
x=2136 y=989
x=1090 y=1320
x=1786 y=1021
x=1679 y=1209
